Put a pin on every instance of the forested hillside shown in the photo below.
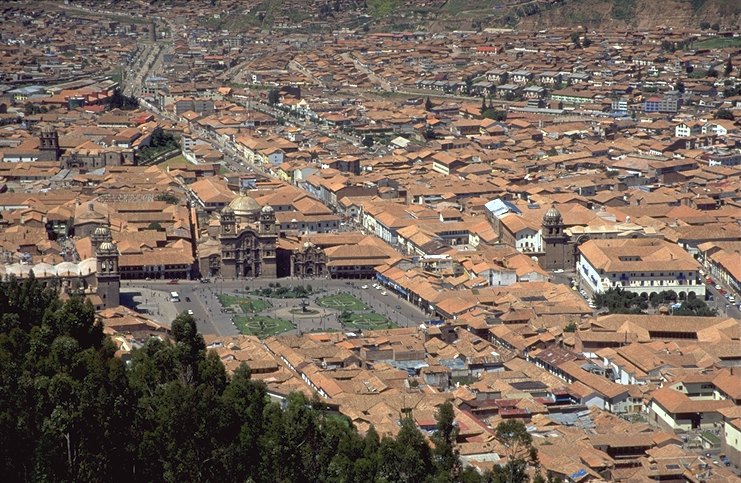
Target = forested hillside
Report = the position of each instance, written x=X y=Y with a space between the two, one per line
x=72 y=411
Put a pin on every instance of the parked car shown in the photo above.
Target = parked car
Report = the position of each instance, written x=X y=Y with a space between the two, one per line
x=173 y=282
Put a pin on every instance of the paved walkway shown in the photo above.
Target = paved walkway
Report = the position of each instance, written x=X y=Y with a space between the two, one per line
x=154 y=303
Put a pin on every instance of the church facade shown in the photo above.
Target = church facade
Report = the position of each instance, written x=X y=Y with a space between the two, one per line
x=248 y=236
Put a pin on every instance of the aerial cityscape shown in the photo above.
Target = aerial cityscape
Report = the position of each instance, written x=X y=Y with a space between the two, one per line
x=370 y=241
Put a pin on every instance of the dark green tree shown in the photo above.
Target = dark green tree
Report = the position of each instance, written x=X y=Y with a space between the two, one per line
x=724 y=114
x=273 y=96
x=695 y=307
x=70 y=410
x=368 y=141
x=518 y=444
x=120 y=101
x=618 y=301
x=445 y=455
x=575 y=39
x=406 y=459
x=428 y=104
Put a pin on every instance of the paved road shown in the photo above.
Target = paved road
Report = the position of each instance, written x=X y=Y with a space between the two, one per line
x=202 y=300
x=722 y=305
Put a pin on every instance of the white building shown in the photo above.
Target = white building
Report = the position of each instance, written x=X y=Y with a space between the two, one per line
x=640 y=265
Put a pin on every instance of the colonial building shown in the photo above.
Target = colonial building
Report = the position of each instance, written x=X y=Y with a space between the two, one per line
x=49 y=145
x=644 y=266
x=558 y=252
x=248 y=236
x=308 y=261
x=96 y=278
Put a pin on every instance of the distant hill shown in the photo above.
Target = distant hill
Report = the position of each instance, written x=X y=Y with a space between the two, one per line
x=538 y=14
x=636 y=13
x=439 y=15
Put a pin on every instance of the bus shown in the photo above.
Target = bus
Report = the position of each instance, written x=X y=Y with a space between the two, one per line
x=174 y=297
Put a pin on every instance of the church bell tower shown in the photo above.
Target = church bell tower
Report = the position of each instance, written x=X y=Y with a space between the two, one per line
x=107 y=274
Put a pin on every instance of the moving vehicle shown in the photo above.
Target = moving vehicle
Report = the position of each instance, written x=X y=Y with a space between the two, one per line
x=174 y=297
x=173 y=282
x=190 y=312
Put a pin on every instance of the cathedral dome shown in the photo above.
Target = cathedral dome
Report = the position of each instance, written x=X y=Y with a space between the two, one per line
x=244 y=205
x=101 y=231
x=552 y=217
x=267 y=209
x=107 y=247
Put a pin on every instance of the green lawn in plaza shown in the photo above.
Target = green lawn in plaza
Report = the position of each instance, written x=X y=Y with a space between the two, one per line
x=261 y=326
x=247 y=304
x=367 y=321
x=342 y=301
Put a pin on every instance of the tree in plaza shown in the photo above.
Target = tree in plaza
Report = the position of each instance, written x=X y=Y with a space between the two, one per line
x=618 y=301
x=368 y=141
x=695 y=307
x=729 y=67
